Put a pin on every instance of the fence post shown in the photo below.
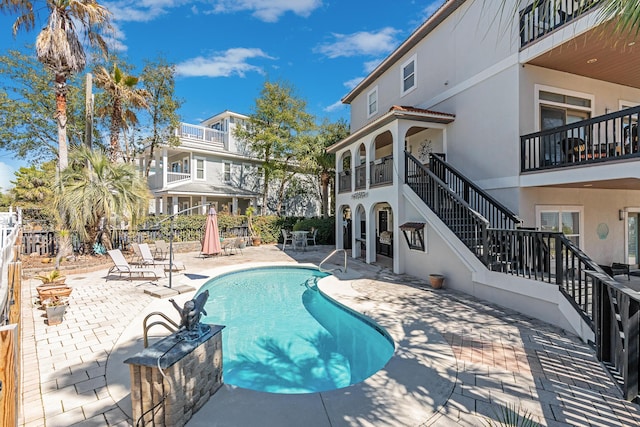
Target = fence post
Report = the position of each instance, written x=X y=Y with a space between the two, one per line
x=9 y=375
x=559 y=261
x=631 y=351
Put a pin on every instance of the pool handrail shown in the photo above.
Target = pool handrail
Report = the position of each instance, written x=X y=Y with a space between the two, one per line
x=342 y=269
x=146 y=326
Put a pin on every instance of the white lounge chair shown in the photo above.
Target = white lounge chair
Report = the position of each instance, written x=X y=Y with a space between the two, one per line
x=312 y=237
x=148 y=259
x=162 y=250
x=122 y=267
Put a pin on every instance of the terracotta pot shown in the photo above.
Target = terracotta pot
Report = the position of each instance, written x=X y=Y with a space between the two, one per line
x=52 y=291
x=436 y=280
x=256 y=240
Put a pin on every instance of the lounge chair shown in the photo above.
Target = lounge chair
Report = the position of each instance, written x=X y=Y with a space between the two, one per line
x=162 y=250
x=233 y=244
x=148 y=259
x=287 y=238
x=122 y=267
x=137 y=255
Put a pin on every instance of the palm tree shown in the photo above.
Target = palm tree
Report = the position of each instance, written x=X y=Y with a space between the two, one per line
x=97 y=190
x=122 y=96
x=58 y=46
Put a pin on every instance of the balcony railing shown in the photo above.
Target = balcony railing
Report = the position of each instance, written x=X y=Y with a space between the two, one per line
x=177 y=176
x=202 y=133
x=610 y=137
x=543 y=17
x=361 y=177
x=382 y=171
x=344 y=181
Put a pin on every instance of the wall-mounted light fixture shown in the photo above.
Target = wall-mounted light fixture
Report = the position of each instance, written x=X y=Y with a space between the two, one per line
x=621 y=215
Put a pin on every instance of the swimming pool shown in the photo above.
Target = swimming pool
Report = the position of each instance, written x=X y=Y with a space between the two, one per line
x=283 y=336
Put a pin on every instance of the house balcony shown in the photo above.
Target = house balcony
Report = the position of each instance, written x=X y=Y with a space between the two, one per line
x=344 y=181
x=381 y=171
x=200 y=135
x=611 y=139
x=544 y=17
x=175 y=177
x=572 y=36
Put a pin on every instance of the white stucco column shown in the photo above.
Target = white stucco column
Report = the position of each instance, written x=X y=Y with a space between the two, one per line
x=174 y=203
x=371 y=234
x=234 y=206
x=203 y=202
x=164 y=168
x=158 y=205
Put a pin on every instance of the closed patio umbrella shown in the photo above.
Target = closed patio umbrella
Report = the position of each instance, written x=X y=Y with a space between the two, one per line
x=211 y=241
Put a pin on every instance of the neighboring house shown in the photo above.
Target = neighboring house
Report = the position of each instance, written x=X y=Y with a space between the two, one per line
x=536 y=121
x=212 y=167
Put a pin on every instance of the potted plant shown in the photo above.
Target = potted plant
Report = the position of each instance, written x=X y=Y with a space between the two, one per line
x=255 y=237
x=56 y=308
x=436 y=280
x=52 y=285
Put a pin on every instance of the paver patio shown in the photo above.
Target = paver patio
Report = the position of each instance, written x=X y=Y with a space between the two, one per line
x=481 y=355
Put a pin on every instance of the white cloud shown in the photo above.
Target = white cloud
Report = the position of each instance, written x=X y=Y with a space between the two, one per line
x=115 y=38
x=222 y=64
x=6 y=175
x=360 y=43
x=369 y=66
x=267 y=10
x=350 y=84
x=333 y=107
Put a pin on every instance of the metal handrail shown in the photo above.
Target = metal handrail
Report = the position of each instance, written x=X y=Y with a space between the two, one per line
x=344 y=270
x=146 y=326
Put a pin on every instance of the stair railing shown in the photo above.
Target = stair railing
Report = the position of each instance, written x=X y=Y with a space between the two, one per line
x=498 y=215
x=343 y=269
x=465 y=222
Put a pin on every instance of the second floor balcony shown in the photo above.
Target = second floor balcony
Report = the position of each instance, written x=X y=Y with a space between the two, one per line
x=203 y=134
x=606 y=138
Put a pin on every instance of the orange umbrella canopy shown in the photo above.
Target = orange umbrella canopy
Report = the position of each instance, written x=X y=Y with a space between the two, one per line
x=211 y=242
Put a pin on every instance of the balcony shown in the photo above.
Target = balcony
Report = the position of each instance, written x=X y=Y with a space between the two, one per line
x=361 y=177
x=202 y=134
x=344 y=181
x=600 y=139
x=173 y=177
x=381 y=171
x=543 y=17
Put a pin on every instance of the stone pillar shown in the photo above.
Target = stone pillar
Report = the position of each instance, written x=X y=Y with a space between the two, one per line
x=190 y=373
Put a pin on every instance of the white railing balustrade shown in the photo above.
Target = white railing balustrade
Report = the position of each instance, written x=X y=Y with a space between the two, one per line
x=177 y=176
x=202 y=133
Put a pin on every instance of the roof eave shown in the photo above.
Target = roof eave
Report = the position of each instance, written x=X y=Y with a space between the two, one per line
x=421 y=32
x=431 y=117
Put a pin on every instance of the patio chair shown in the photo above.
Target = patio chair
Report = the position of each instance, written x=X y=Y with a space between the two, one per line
x=122 y=267
x=137 y=255
x=148 y=259
x=312 y=237
x=162 y=250
x=287 y=238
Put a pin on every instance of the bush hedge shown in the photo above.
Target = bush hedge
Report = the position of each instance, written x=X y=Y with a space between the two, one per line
x=191 y=227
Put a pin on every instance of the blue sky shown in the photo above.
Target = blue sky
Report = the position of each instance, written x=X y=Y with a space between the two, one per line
x=225 y=49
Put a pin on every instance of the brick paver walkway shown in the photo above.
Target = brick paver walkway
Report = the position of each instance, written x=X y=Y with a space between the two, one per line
x=501 y=356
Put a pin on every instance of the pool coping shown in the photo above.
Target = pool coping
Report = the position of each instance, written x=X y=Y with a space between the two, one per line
x=409 y=390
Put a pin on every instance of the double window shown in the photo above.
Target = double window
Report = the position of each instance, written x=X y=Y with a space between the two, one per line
x=565 y=219
x=372 y=102
x=199 y=168
x=227 y=172
x=408 y=76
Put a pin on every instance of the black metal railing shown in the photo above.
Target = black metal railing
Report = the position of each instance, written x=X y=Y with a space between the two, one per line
x=542 y=17
x=381 y=171
x=344 y=181
x=604 y=138
x=617 y=331
x=361 y=176
x=467 y=224
x=611 y=311
x=497 y=214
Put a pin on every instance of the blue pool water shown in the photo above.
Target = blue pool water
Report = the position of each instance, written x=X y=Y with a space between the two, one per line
x=283 y=337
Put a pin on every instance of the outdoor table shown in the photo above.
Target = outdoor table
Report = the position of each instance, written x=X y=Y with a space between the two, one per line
x=299 y=239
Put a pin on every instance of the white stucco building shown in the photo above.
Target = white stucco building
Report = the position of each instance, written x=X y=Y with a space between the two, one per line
x=536 y=118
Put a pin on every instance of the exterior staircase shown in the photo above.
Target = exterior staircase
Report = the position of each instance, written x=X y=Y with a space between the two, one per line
x=494 y=235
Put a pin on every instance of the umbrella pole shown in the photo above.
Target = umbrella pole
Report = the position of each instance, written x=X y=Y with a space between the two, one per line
x=170 y=250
